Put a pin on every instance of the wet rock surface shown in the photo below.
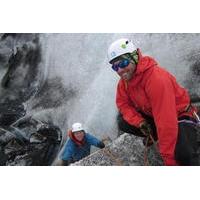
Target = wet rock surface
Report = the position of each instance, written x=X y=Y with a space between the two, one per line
x=11 y=111
x=21 y=61
x=23 y=140
x=127 y=150
x=29 y=142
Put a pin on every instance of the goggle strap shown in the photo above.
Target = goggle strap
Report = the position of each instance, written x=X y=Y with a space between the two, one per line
x=134 y=57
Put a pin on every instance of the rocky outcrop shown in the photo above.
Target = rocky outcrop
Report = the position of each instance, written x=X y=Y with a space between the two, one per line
x=23 y=140
x=29 y=142
x=127 y=150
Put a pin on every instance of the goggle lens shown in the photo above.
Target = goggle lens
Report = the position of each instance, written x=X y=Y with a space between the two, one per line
x=122 y=64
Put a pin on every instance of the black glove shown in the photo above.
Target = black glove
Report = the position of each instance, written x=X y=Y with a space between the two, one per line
x=101 y=145
x=145 y=128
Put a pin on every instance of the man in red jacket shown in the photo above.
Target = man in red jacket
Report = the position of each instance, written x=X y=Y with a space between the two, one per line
x=150 y=101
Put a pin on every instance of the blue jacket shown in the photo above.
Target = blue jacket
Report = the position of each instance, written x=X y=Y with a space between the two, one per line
x=72 y=152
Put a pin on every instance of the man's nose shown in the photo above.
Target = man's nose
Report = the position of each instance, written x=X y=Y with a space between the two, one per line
x=120 y=70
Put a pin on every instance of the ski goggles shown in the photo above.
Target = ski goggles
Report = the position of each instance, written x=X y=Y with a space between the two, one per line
x=122 y=64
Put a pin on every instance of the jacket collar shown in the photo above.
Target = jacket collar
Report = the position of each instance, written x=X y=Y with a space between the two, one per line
x=144 y=63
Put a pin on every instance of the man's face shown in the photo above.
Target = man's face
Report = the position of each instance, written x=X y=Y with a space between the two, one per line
x=126 y=72
x=79 y=135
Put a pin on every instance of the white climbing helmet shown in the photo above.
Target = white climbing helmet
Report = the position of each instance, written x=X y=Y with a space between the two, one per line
x=77 y=127
x=120 y=47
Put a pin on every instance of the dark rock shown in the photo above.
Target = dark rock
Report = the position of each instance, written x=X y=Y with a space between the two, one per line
x=192 y=80
x=3 y=158
x=29 y=142
x=21 y=78
x=5 y=35
x=2 y=58
x=195 y=98
x=21 y=37
x=10 y=111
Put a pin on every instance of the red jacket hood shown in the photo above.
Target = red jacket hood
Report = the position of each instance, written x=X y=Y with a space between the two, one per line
x=144 y=63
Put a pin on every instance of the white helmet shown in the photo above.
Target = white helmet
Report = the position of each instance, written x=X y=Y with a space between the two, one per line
x=120 y=47
x=77 y=127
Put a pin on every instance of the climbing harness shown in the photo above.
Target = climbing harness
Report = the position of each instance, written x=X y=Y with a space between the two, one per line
x=197 y=118
x=197 y=124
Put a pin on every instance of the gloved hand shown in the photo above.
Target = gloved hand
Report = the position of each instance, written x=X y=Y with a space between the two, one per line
x=106 y=140
x=101 y=145
x=145 y=128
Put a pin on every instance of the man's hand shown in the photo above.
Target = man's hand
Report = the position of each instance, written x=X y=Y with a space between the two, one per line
x=101 y=145
x=106 y=140
x=145 y=128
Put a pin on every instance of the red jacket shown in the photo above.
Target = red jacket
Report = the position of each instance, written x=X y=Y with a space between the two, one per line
x=155 y=92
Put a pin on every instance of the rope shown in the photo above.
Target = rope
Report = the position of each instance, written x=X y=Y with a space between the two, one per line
x=113 y=157
x=146 y=161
